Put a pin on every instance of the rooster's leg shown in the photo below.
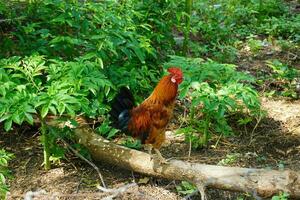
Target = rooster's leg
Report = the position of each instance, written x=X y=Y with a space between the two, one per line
x=148 y=147
x=162 y=160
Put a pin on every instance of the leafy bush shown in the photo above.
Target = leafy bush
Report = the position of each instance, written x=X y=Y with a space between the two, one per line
x=217 y=25
x=5 y=157
x=113 y=32
x=161 y=17
x=143 y=82
x=215 y=91
x=255 y=45
x=35 y=87
x=282 y=80
x=285 y=27
x=67 y=58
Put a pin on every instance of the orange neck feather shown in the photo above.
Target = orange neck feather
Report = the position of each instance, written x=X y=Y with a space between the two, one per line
x=165 y=91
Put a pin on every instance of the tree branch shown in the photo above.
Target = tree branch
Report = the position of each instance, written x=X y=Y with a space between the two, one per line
x=261 y=182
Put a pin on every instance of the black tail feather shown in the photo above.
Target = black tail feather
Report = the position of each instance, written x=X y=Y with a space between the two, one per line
x=120 y=107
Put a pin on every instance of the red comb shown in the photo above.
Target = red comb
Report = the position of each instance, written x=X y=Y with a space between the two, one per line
x=175 y=70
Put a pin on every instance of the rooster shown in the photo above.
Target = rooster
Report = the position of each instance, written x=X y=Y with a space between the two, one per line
x=149 y=120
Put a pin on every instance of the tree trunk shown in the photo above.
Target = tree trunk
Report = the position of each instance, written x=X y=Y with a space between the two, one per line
x=259 y=182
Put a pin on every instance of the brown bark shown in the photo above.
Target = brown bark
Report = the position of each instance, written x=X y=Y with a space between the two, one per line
x=260 y=182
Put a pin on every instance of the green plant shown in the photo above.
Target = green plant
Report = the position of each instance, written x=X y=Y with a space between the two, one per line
x=215 y=92
x=132 y=143
x=5 y=157
x=66 y=58
x=115 y=33
x=284 y=27
x=144 y=79
x=283 y=78
x=281 y=196
x=230 y=159
x=217 y=25
x=106 y=130
x=35 y=87
x=195 y=135
x=186 y=188
x=254 y=45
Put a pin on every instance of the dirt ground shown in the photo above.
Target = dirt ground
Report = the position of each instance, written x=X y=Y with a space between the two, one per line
x=275 y=144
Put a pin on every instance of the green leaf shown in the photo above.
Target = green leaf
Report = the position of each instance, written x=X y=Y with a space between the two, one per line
x=99 y=60
x=29 y=118
x=3 y=161
x=70 y=110
x=74 y=122
x=183 y=92
x=16 y=118
x=89 y=56
x=41 y=102
x=2 y=177
x=5 y=117
x=61 y=108
x=139 y=54
x=44 y=111
x=112 y=133
x=53 y=109
x=8 y=124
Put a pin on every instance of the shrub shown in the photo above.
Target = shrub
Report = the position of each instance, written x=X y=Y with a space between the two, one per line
x=215 y=91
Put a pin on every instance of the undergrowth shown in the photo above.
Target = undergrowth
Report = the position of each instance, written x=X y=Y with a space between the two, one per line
x=213 y=92
x=68 y=58
x=5 y=173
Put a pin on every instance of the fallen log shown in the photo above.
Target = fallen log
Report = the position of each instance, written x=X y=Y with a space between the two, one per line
x=260 y=182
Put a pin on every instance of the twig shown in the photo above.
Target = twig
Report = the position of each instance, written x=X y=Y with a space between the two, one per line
x=190 y=148
x=72 y=164
x=116 y=192
x=25 y=165
x=245 y=128
x=227 y=143
x=256 y=125
x=133 y=177
x=201 y=188
x=170 y=185
x=86 y=160
x=218 y=140
x=78 y=186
